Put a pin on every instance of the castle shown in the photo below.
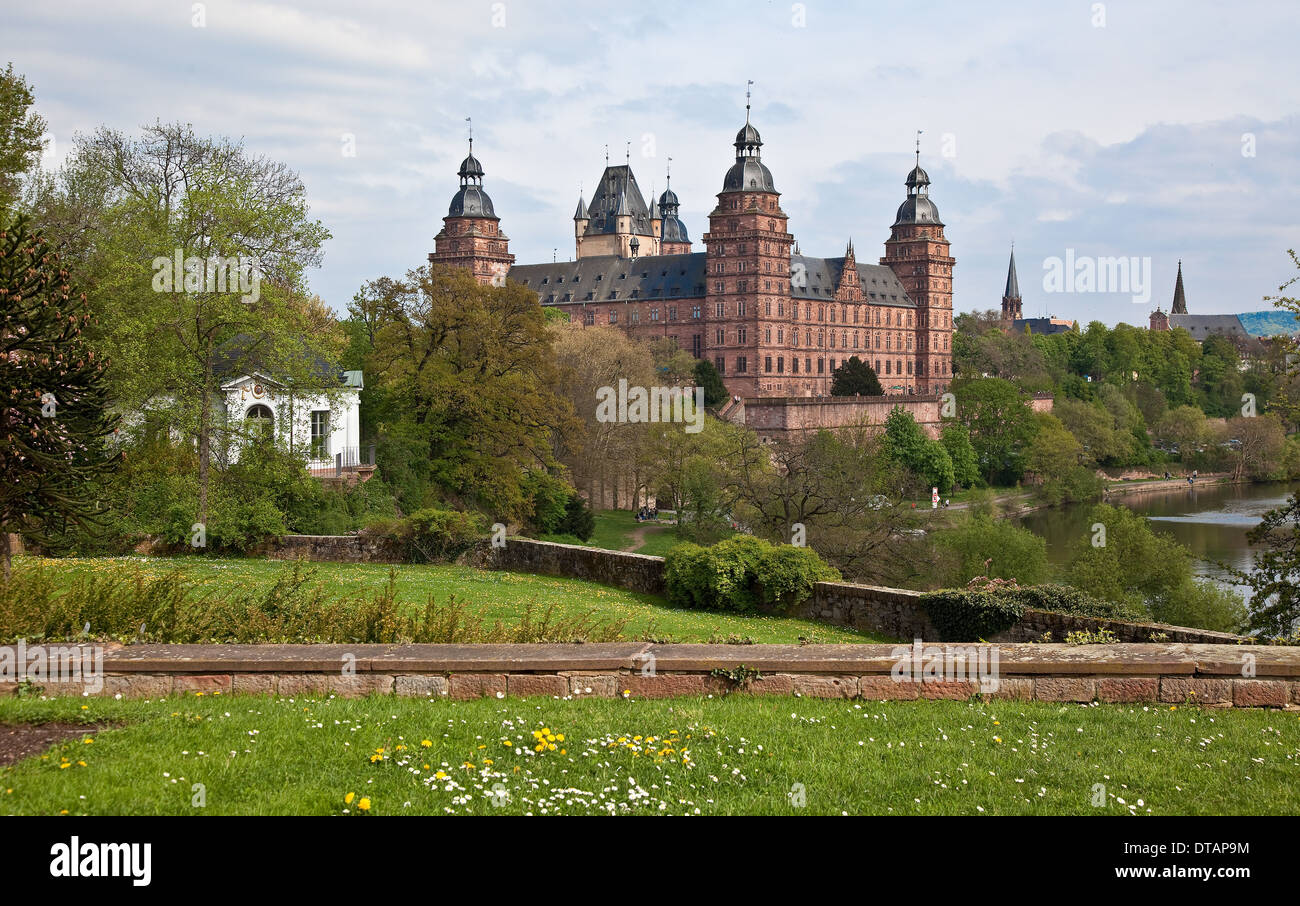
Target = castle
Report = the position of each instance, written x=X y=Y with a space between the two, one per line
x=774 y=322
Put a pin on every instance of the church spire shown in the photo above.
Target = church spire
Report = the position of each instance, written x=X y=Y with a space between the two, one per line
x=1180 y=301
x=1011 y=307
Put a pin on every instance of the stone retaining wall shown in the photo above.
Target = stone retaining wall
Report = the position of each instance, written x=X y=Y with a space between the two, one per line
x=1216 y=676
x=328 y=549
x=898 y=613
x=636 y=572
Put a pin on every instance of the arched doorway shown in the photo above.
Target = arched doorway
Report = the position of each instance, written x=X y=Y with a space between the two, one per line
x=260 y=421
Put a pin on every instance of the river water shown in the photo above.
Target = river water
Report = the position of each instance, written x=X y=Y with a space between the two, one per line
x=1211 y=520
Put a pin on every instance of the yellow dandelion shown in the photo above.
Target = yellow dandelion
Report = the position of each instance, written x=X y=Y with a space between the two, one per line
x=364 y=804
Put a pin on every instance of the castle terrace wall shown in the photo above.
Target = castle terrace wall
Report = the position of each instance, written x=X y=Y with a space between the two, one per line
x=770 y=416
x=1215 y=676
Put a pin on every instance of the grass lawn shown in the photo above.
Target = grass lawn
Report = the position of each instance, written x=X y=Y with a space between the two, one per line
x=490 y=594
x=618 y=530
x=727 y=755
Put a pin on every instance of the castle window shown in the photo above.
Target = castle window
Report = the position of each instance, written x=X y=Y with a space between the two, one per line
x=695 y=311
x=589 y=317
x=720 y=337
x=590 y=296
x=634 y=316
x=613 y=316
x=767 y=335
x=721 y=364
x=742 y=335
x=672 y=312
x=821 y=366
x=613 y=294
x=720 y=309
x=634 y=294
x=742 y=364
x=780 y=364
x=794 y=365
x=559 y=280
x=740 y=309
x=545 y=280
x=654 y=314
x=600 y=277
x=767 y=364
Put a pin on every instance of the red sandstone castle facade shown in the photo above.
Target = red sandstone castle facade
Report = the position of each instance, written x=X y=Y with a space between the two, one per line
x=774 y=322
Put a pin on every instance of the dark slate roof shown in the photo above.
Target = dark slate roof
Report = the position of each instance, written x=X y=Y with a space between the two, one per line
x=683 y=276
x=471 y=201
x=880 y=285
x=918 y=209
x=244 y=354
x=1202 y=326
x=917 y=177
x=674 y=230
x=748 y=174
x=581 y=212
x=618 y=190
x=649 y=277
x=1013 y=282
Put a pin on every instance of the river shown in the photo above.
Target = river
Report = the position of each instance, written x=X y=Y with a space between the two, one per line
x=1211 y=520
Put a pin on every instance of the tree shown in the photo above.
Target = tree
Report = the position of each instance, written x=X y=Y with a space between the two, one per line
x=129 y=209
x=855 y=377
x=848 y=500
x=907 y=444
x=1257 y=446
x=469 y=378
x=1132 y=564
x=706 y=376
x=55 y=417
x=21 y=131
x=956 y=440
x=998 y=548
x=1274 y=576
x=605 y=458
x=1000 y=424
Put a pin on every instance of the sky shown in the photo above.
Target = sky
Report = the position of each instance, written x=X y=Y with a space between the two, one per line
x=1080 y=131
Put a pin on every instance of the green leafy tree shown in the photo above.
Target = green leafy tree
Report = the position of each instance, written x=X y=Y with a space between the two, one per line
x=1001 y=426
x=907 y=444
x=855 y=377
x=468 y=377
x=21 y=131
x=1274 y=576
x=54 y=414
x=956 y=440
x=998 y=548
x=175 y=337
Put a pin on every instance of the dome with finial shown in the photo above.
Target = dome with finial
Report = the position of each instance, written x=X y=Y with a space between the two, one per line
x=917 y=178
x=668 y=200
x=470 y=168
x=471 y=200
x=748 y=173
x=748 y=137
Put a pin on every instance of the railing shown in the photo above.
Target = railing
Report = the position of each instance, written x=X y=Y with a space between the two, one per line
x=347 y=459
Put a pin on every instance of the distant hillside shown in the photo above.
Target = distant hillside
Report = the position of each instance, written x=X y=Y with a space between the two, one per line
x=1270 y=323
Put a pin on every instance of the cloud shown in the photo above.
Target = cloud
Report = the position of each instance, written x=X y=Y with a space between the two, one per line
x=1038 y=126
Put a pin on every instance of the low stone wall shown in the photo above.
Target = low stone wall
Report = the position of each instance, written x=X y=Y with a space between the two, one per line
x=636 y=572
x=898 y=613
x=1215 y=676
x=328 y=548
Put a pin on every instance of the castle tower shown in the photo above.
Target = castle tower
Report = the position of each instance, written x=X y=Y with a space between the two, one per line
x=1180 y=301
x=1011 y=308
x=747 y=277
x=471 y=235
x=674 y=239
x=580 y=221
x=917 y=253
x=617 y=214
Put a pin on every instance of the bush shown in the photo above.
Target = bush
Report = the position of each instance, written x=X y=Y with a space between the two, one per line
x=579 y=521
x=429 y=535
x=964 y=615
x=998 y=548
x=1064 y=599
x=742 y=574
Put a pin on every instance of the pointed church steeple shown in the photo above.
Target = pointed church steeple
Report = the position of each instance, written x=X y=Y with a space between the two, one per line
x=1011 y=307
x=1180 y=301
